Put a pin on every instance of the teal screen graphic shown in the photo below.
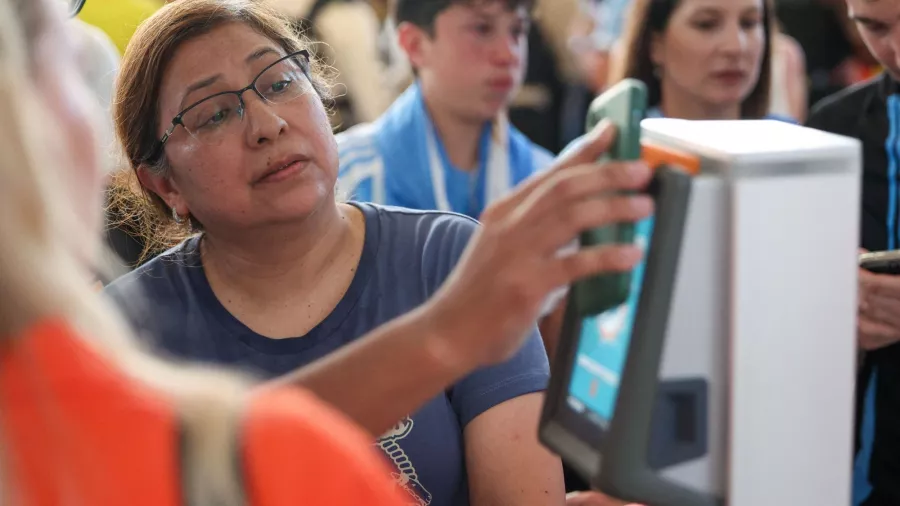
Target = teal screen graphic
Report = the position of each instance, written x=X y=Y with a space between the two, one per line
x=603 y=347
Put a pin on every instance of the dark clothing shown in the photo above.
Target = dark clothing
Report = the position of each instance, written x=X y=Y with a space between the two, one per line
x=817 y=28
x=870 y=112
x=406 y=257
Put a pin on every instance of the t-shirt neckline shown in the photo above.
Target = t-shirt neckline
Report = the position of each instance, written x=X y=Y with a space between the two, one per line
x=325 y=329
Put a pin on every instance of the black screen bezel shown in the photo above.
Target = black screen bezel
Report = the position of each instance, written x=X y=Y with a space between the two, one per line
x=670 y=189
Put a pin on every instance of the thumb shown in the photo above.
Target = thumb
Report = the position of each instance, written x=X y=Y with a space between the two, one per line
x=589 y=147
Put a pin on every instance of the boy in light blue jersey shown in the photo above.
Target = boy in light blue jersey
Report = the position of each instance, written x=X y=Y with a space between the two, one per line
x=446 y=143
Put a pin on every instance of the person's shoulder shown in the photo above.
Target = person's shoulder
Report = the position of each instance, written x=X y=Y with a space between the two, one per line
x=161 y=266
x=360 y=164
x=158 y=280
x=782 y=118
x=357 y=140
x=290 y=435
x=429 y=241
x=359 y=160
x=542 y=157
x=419 y=222
x=834 y=111
x=851 y=96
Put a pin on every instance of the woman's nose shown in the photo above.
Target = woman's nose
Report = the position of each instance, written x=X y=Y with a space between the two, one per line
x=734 y=39
x=262 y=120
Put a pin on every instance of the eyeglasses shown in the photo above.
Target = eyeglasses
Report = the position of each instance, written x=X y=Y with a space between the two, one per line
x=219 y=116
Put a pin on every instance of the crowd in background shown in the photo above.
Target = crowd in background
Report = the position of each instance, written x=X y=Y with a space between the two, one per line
x=571 y=51
x=573 y=47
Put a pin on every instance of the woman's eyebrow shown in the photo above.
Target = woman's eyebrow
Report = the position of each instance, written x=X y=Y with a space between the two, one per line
x=259 y=53
x=209 y=81
x=199 y=85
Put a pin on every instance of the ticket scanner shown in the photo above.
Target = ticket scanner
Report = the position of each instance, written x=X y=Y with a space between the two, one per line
x=727 y=377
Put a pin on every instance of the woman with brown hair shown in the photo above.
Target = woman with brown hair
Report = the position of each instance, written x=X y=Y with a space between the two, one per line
x=220 y=113
x=700 y=59
x=88 y=417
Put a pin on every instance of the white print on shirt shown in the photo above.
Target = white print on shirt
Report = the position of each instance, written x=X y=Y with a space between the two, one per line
x=407 y=477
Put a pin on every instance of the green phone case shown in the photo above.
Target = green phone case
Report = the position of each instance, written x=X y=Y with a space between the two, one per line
x=625 y=105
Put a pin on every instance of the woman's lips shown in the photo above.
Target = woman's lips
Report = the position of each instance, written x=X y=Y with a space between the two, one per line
x=286 y=172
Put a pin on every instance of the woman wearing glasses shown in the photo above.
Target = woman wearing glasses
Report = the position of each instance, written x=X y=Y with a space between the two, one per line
x=220 y=113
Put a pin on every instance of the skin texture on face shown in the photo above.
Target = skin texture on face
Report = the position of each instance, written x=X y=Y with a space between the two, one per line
x=710 y=54
x=474 y=62
x=879 y=28
x=219 y=183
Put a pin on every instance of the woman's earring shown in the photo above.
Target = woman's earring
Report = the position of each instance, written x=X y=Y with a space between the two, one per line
x=175 y=216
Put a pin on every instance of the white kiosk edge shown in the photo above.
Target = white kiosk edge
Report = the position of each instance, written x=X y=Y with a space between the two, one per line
x=764 y=308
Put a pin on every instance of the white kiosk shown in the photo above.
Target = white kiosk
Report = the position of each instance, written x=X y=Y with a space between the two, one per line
x=744 y=394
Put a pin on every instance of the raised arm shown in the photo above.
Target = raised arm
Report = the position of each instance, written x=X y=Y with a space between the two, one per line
x=508 y=269
x=506 y=464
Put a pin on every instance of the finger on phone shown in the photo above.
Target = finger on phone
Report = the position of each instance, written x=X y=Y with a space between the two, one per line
x=594 y=260
x=880 y=285
x=587 y=181
x=883 y=309
x=874 y=335
x=589 y=148
x=558 y=227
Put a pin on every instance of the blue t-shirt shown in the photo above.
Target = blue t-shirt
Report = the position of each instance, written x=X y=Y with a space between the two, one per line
x=406 y=256
x=465 y=189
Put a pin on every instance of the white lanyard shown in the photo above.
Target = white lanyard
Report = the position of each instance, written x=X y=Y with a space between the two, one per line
x=498 y=170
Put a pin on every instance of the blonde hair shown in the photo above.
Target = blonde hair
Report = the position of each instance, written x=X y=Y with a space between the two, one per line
x=136 y=103
x=41 y=278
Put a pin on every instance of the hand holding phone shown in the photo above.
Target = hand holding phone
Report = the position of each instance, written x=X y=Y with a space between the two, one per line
x=879 y=299
x=881 y=262
x=878 y=322
x=624 y=105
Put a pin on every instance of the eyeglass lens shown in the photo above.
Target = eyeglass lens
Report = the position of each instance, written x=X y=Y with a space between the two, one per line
x=215 y=116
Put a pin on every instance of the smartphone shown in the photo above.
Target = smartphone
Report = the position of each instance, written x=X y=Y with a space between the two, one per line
x=625 y=105
x=881 y=262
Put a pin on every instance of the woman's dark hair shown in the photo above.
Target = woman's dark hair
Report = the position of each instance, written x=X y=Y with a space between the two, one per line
x=647 y=18
x=423 y=13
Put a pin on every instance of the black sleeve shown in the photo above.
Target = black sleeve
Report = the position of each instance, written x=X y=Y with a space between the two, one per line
x=846 y=111
x=824 y=115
